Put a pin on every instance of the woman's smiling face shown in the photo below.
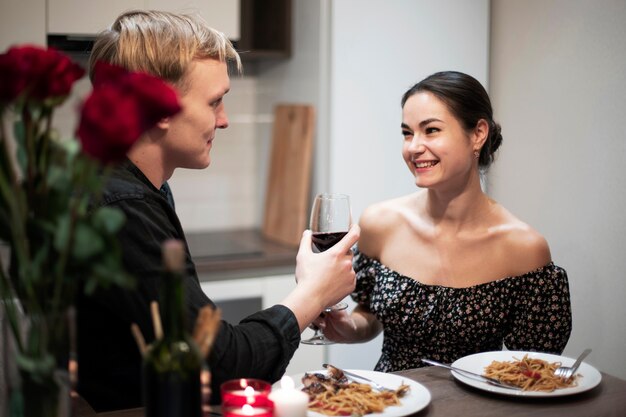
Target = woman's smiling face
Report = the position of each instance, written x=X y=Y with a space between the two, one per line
x=436 y=147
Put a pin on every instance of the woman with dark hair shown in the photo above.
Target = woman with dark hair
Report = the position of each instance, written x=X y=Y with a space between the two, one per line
x=447 y=271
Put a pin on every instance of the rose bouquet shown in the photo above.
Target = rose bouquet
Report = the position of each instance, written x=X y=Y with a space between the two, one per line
x=58 y=242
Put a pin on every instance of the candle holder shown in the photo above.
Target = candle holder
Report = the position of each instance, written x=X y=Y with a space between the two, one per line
x=247 y=410
x=246 y=391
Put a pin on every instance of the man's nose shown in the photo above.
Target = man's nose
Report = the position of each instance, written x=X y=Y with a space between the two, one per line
x=222 y=119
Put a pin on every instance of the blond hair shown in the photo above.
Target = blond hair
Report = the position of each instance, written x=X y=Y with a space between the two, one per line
x=161 y=43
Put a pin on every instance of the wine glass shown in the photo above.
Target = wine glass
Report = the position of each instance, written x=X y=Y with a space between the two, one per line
x=331 y=218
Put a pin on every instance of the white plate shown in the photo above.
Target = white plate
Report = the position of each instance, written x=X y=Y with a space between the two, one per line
x=415 y=400
x=588 y=378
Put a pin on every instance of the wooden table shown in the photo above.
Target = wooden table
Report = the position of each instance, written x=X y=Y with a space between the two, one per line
x=452 y=398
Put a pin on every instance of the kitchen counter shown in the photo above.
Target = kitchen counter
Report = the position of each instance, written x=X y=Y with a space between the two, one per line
x=241 y=253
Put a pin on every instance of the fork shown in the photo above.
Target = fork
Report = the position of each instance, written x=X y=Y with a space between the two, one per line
x=376 y=385
x=566 y=372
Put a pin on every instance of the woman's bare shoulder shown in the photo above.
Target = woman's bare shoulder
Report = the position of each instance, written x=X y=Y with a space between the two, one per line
x=526 y=248
x=378 y=221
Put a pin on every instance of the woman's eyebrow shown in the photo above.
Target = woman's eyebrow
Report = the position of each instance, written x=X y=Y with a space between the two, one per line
x=425 y=122
x=422 y=123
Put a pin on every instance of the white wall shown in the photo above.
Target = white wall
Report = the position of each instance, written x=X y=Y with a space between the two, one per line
x=379 y=49
x=558 y=85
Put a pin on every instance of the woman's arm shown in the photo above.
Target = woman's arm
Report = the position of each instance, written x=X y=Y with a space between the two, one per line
x=541 y=316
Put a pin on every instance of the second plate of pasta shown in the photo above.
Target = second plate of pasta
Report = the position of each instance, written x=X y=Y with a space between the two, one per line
x=587 y=376
x=415 y=399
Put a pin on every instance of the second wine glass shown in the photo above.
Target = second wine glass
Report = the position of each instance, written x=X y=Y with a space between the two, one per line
x=331 y=218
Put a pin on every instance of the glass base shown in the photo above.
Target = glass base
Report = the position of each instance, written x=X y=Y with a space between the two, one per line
x=337 y=307
x=318 y=338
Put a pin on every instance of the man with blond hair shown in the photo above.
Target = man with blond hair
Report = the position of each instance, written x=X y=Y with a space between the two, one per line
x=194 y=59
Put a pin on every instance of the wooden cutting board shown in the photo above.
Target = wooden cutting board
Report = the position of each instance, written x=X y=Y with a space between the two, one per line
x=289 y=179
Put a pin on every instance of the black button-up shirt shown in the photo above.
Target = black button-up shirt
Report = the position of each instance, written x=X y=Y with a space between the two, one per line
x=109 y=360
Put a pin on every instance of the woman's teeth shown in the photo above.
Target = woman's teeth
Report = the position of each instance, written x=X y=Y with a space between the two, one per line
x=427 y=164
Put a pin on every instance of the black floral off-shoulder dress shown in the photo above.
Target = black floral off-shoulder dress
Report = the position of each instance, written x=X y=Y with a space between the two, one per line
x=527 y=312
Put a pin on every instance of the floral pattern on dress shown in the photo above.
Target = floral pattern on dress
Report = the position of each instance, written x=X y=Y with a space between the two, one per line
x=529 y=312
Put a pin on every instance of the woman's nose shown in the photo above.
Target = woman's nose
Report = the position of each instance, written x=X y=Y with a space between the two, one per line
x=417 y=145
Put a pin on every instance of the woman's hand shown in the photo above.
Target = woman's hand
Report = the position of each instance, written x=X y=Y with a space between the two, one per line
x=341 y=327
x=338 y=326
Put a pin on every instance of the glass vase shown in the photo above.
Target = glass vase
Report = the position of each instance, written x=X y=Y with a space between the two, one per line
x=43 y=388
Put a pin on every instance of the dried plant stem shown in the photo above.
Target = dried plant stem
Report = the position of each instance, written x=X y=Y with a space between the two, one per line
x=156 y=320
x=141 y=342
x=10 y=307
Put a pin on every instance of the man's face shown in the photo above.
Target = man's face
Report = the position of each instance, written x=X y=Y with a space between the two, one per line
x=190 y=134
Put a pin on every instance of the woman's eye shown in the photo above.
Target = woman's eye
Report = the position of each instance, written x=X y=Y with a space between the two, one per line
x=216 y=103
x=430 y=130
x=407 y=133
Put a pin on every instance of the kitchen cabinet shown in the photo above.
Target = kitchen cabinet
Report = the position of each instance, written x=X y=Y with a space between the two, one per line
x=269 y=290
x=265 y=29
x=22 y=21
x=219 y=14
x=78 y=17
x=258 y=29
x=87 y=18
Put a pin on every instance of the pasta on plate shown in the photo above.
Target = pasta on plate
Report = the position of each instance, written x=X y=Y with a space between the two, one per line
x=530 y=374
x=334 y=395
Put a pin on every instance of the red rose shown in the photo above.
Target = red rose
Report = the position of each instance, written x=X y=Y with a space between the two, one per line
x=122 y=106
x=61 y=74
x=105 y=73
x=110 y=124
x=15 y=68
x=156 y=98
x=39 y=73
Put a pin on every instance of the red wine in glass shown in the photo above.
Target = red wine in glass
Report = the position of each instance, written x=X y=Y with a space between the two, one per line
x=326 y=240
x=330 y=220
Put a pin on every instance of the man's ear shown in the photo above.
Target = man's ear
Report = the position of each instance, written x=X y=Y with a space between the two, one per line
x=164 y=123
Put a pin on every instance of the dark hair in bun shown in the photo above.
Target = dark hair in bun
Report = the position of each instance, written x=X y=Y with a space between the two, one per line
x=468 y=101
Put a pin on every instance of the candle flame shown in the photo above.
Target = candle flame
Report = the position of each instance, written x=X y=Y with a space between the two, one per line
x=205 y=377
x=249 y=392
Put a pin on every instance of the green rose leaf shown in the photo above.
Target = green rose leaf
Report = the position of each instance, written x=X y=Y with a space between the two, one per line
x=62 y=233
x=108 y=219
x=87 y=242
x=20 y=137
x=38 y=367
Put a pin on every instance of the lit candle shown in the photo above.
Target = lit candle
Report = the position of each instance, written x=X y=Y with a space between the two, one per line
x=288 y=401
x=238 y=392
x=247 y=410
x=205 y=389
